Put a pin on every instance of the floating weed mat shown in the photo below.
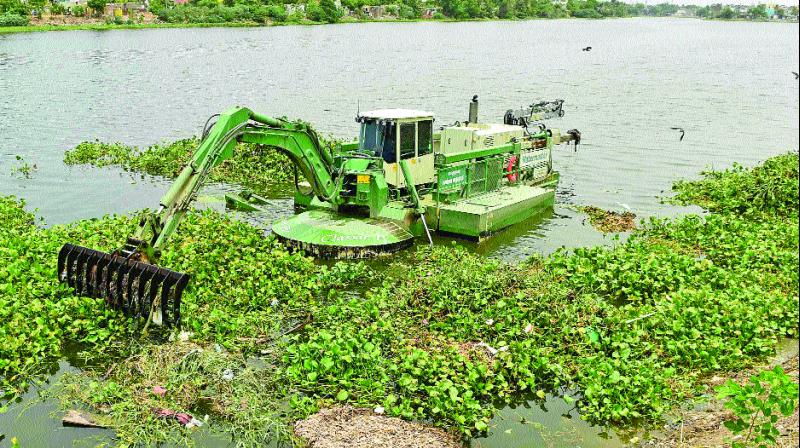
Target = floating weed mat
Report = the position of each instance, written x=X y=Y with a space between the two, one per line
x=257 y=168
x=608 y=221
x=38 y=314
x=769 y=188
x=245 y=290
x=634 y=329
x=226 y=392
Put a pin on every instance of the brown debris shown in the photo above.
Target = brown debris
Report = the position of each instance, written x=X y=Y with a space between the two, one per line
x=608 y=221
x=349 y=427
x=79 y=419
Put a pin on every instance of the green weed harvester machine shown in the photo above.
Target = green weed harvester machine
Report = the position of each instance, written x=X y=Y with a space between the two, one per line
x=400 y=180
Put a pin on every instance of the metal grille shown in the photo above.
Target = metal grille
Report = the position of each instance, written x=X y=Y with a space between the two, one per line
x=478 y=177
x=484 y=175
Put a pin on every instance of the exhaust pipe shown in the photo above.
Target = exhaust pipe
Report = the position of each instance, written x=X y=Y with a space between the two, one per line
x=473 y=110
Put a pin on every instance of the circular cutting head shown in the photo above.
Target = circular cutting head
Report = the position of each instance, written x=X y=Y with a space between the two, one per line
x=327 y=234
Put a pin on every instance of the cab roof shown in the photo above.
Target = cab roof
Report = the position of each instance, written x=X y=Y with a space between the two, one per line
x=396 y=114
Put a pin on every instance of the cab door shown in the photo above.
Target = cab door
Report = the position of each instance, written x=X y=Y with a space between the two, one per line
x=415 y=144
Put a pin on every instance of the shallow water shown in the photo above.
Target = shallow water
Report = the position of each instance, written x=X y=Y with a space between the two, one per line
x=729 y=85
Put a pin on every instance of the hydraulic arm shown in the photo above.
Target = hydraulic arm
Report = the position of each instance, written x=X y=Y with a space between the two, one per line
x=127 y=278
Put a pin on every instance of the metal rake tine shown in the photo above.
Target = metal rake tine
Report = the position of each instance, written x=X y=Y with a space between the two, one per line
x=70 y=266
x=63 y=254
x=165 y=291
x=101 y=274
x=182 y=282
x=80 y=270
x=147 y=276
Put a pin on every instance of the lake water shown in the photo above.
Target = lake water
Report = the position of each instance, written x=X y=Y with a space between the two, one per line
x=729 y=85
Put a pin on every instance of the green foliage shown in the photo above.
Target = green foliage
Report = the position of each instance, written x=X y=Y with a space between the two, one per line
x=757 y=406
x=57 y=8
x=628 y=331
x=97 y=6
x=257 y=168
x=37 y=314
x=23 y=169
x=769 y=189
x=330 y=13
x=13 y=8
x=246 y=405
x=11 y=19
x=261 y=287
x=758 y=12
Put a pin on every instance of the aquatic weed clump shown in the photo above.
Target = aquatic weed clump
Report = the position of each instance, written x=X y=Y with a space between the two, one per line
x=630 y=330
x=257 y=168
x=245 y=288
x=770 y=188
x=38 y=314
x=625 y=333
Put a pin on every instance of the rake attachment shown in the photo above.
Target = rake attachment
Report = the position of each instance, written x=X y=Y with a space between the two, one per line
x=135 y=287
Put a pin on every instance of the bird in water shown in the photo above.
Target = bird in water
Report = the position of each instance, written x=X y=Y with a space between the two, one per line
x=681 y=131
x=796 y=75
x=587 y=49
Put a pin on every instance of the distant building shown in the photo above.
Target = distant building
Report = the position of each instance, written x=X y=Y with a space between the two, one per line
x=374 y=12
x=292 y=8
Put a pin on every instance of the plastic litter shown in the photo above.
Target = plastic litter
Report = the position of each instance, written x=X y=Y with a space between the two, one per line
x=194 y=423
x=183 y=418
x=227 y=374
x=159 y=391
x=492 y=351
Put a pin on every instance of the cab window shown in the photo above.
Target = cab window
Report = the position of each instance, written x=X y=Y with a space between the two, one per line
x=407 y=140
x=369 y=137
x=388 y=142
x=424 y=137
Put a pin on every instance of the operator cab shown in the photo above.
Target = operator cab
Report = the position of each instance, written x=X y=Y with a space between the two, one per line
x=399 y=134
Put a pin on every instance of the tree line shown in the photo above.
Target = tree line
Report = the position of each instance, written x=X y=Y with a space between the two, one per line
x=16 y=12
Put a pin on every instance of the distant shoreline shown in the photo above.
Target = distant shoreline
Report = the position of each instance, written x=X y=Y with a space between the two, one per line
x=138 y=26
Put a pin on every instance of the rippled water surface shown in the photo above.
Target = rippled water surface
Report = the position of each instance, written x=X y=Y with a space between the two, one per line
x=729 y=85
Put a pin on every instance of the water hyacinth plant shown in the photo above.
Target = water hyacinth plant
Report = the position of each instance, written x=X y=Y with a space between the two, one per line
x=443 y=336
x=258 y=169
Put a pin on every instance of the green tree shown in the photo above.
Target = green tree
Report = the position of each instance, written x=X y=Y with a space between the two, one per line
x=415 y=6
x=521 y=9
x=37 y=5
x=330 y=13
x=97 y=6
x=505 y=9
x=13 y=7
x=454 y=8
x=727 y=13
x=758 y=12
